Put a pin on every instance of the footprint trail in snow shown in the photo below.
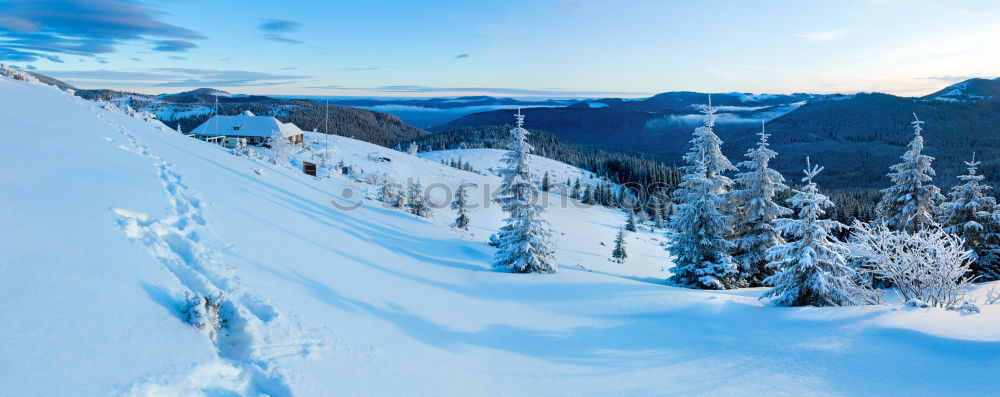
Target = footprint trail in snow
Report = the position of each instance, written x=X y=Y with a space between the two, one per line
x=256 y=333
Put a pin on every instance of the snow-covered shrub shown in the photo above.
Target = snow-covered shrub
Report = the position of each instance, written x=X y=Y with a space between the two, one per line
x=389 y=194
x=930 y=265
x=966 y=306
x=202 y=312
x=281 y=148
x=992 y=296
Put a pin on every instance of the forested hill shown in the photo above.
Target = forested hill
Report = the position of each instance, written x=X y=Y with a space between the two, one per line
x=191 y=108
x=855 y=137
x=366 y=125
x=858 y=138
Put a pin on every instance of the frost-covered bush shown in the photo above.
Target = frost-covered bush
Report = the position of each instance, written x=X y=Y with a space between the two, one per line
x=202 y=312
x=930 y=265
x=281 y=148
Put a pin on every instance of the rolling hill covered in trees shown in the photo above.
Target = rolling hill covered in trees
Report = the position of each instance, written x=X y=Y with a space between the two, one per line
x=856 y=137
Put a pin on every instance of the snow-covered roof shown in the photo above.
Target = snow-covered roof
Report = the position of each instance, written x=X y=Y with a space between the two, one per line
x=245 y=124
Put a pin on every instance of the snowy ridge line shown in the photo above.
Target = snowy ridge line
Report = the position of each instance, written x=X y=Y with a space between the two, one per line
x=256 y=333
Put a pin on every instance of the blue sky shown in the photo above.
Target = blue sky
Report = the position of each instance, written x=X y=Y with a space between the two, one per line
x=558 y=48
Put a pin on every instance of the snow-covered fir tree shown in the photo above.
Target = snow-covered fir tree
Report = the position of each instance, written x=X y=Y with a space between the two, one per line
x=416 y=202
x=618 y=253
x=756 y=211
x=910 y=204
x=575 y=193
x=698 y=230
x=630 y=221
x=461 y=207
x=974 y=216
x=524 y=242
x=656 y=211
x=813 y=268
x=413 y=149
x=545 y=182
x=587 y=197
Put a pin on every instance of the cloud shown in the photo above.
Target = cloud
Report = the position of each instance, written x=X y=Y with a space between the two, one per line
x=280 y=26
x=359 y=69
x=823 y=35
x=543 y=92
x=281 y=39
x=173 y=45
x=272 y=28
x=44 y=29
x=225 y=78
x=460 y=56
x=176 y=77
x=948 y=78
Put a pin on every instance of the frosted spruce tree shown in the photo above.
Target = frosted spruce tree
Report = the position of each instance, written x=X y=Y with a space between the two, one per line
x=812 y=269
x=618 y=253
x=909 y=205
x=416 y=202
x=656 y=211
x=461 y=206
x=699 y=228
x=630 y=221
x=524 y=242
x=974 y=216
x=756 y=211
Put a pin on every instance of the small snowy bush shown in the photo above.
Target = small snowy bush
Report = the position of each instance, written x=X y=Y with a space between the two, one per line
x=202 y=312
x=930 y=265
x=281 y=148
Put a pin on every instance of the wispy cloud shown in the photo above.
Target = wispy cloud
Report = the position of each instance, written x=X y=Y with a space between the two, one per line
x=275 y=29
x=49 y=28
x=280 y=26
x=542 y=92
x=949 y=78
x=359 y=69
x=460 y=56
x=173 y=45
x=178 y=77
x=822 y=35
x=281 y=39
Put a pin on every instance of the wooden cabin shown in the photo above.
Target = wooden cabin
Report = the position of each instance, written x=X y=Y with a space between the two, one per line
x=255 y=129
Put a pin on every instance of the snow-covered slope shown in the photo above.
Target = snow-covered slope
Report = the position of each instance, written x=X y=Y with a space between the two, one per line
x=109 y=221
x=489 y=161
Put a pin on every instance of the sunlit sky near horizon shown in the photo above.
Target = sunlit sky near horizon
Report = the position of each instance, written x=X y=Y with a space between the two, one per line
x=572 y=48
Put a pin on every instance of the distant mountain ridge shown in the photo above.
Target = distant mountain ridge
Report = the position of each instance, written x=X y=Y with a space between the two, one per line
x=856 y=137
x=187 y=110
x=971 y=90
